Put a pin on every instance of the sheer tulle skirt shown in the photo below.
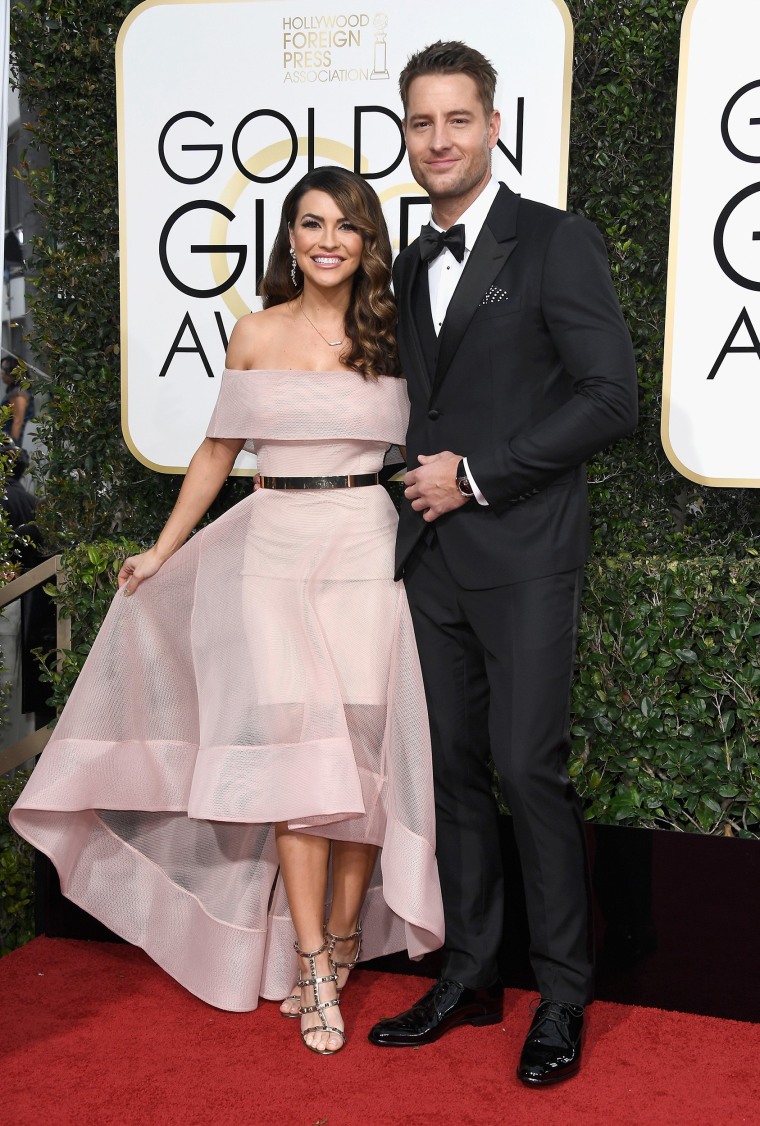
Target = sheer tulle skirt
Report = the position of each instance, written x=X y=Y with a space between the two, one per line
x=267 y=673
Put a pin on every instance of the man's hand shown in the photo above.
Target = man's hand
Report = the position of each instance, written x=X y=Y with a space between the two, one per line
x=432 y=488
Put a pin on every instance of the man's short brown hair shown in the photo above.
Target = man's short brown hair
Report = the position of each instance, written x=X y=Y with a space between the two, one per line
x=450 y=58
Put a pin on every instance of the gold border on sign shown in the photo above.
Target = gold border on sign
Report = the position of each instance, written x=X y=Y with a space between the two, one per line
x=670 y=301
x=567 y=92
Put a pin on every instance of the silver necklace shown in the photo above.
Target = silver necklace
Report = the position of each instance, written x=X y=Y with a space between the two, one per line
x=332 y=343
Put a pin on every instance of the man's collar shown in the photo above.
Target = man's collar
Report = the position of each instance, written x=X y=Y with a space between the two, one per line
x=475 y=215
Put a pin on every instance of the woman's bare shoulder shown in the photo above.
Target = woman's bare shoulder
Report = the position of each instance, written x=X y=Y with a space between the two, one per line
x=252 y=336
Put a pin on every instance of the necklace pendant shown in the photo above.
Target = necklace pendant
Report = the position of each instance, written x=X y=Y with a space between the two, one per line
x=329 y=343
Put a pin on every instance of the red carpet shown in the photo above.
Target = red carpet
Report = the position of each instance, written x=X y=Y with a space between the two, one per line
x=94 y=1034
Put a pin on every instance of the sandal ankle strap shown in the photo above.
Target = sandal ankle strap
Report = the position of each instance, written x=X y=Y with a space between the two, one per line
x=309 y=953
x=335 y=938
x=344 y=937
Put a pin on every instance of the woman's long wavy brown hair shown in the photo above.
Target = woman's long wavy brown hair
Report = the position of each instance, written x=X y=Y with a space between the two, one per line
x=371 y=315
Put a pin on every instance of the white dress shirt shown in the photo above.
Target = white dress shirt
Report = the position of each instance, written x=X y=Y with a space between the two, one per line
x=444 y=273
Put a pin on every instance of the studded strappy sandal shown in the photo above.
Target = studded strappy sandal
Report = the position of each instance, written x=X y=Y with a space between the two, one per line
x=332 y=939
x=319 y=1005
x=296 y=996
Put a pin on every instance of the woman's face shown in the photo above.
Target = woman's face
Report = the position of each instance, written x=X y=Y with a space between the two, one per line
x=328 y=248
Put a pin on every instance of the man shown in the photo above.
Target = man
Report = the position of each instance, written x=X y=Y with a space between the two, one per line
x=519 y=368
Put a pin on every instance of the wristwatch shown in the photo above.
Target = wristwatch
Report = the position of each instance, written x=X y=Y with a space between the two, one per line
x=463 y=481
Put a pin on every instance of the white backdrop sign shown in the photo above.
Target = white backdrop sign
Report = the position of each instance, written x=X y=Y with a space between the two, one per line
x=711 y=391
x=223 y=106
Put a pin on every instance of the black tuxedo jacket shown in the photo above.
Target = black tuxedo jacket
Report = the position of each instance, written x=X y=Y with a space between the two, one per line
x=532 y=373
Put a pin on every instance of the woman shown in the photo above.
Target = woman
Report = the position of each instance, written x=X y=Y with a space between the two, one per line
x=256 y=702
x=17 y=399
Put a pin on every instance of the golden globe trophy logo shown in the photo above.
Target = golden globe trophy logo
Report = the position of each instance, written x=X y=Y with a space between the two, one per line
x=223 y=105
x=341 y=47
x=711 y=386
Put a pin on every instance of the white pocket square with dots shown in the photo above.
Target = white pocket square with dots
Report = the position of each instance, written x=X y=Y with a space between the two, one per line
x=494 y=296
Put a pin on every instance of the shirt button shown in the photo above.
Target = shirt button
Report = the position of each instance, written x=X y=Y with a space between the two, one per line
x=433 y=415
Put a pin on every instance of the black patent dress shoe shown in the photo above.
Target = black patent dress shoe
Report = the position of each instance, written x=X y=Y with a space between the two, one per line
x=552 y=1050
x=445 y=1005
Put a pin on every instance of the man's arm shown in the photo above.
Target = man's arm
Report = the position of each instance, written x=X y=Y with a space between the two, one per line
x=581 y=310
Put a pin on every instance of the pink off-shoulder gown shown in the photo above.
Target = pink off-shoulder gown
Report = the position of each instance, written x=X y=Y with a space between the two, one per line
x=267 y=673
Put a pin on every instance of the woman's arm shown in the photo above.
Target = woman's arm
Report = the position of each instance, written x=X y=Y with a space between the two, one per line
x=207 y=472
x=19 y=404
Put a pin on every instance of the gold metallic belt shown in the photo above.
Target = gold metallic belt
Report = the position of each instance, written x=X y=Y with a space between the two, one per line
x=348 y=481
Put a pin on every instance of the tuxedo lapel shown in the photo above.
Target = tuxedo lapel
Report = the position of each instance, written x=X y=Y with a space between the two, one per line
x=408 y=320
x=493 y=246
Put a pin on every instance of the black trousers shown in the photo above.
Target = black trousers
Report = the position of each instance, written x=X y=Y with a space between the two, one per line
x=497 y=666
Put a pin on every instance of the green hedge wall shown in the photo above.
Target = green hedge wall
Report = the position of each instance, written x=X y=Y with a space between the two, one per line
x=665 y=700
x=16 y=873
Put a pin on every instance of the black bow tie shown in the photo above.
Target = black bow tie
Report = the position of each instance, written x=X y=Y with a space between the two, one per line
x=432 y=242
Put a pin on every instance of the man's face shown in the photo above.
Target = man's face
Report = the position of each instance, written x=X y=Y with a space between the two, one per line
x=449 y=137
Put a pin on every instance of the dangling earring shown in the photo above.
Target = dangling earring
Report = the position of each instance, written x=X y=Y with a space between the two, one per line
x=293 y=267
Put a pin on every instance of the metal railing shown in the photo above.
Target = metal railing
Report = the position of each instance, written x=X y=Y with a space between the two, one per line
x=31 y=745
